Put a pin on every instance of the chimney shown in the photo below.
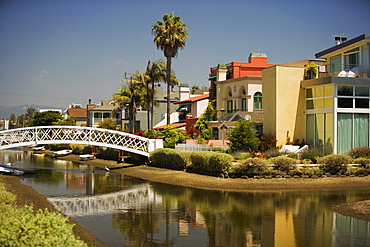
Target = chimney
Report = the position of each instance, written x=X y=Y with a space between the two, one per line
x=221 y=72
x=337 y=40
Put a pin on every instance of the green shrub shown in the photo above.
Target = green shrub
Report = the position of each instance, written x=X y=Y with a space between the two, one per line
x=22 y=227
x=250 y=167
x=358 y=171
x=312 y=154
x=169 y=158
x=5 y=196
x=293 y=156
x=295 y=172
x=273 y=153
x=241 y=155
x=274 y=173
x=359 y=152
x=107 y=153
x=210 y=163
x=364 y=162
x=334 y=163
x=57 y=147
x=283 y=163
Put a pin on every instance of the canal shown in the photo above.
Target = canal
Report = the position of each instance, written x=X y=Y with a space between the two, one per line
x=127 y=211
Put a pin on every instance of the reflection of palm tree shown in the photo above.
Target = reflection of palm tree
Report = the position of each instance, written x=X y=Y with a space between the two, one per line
x=170 y=36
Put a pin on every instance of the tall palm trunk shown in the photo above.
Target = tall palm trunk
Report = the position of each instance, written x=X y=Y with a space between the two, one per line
x=168 y=77
x=148 y=104
x=152 y=105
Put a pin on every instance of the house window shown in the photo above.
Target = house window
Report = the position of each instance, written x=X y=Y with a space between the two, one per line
x=351 y=58
x=319 y=131
x=336 y=63
x=257 y=101
x=353 y=131
x=106 y=115
x=229 y=106
x=97 y=115
x=244 y=104
x=353 y=97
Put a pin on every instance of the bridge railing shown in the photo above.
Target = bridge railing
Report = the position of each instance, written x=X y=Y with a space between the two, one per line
x=77 y=135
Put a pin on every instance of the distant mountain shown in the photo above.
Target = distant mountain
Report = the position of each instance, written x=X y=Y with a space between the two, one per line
x=5 y=112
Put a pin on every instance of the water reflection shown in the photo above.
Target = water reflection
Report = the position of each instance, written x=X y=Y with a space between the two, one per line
x=125 y=211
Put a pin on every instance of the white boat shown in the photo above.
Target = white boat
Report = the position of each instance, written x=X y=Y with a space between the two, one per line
x=62 y=152
x=39 y=148
x=87 y=157
x=8 y=170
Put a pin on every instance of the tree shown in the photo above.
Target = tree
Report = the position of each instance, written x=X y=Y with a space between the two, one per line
x=28 y=116
x=201 y=125
x=155 y=72
x=12 y=121
x=45 y=118
x=171 y=136
x=170 y=36
x=108 y=123
x=132 y=93
x=70 y=121
x=243 y=137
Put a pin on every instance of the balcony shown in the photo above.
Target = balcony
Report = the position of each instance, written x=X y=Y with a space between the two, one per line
x=349 y=70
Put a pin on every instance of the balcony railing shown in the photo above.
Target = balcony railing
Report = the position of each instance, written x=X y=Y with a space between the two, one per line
x=349 y=70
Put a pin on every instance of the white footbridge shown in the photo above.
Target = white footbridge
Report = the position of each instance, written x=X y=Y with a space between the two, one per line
x=125 y=200
x=42 y=135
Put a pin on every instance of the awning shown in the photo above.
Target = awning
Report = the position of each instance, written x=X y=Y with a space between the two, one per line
x=184 y=108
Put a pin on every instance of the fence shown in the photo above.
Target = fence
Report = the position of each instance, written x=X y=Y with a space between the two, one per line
x=192 y=147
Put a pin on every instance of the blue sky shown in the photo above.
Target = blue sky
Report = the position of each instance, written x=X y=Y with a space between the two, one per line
x=55 y=52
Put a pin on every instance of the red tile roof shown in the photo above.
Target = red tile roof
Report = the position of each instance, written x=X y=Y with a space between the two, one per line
x=175 y=125
x=77 y=112
x=194 y=99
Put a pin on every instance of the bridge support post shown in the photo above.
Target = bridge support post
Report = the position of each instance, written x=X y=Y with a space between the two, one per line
x=154 y=144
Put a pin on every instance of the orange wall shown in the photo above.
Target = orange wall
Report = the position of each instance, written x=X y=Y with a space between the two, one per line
x=252 y=68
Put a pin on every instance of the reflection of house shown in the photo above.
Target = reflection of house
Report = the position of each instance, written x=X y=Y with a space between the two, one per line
x=237 y=88
x=330 y=111
x=79 y=113
x=97 y=113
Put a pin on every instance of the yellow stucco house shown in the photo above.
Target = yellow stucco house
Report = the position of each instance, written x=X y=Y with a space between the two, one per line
x=329 y=110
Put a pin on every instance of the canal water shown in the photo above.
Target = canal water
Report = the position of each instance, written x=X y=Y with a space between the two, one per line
x=127 y=211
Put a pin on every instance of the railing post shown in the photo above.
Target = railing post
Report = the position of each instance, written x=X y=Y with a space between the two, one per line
x=154 y=144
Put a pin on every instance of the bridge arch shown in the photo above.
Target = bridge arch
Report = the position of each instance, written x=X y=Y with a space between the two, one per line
x=40 y=135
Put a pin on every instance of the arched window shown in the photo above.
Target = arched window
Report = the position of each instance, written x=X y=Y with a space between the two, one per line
x=257 y=101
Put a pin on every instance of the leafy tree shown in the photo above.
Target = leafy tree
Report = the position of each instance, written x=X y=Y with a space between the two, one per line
x=171 y=136
x=46 y=118
x=170 y=35
x=28 y=116
x=243 y=137
x=108 y=123
x=155 y=72
x=201 y=125
x=70 y=121
x=132 y=93
x=12 y=121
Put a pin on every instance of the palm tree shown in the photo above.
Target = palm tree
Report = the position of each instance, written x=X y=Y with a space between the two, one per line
x=132 y=93
x=156 y=73
x=170 y=36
